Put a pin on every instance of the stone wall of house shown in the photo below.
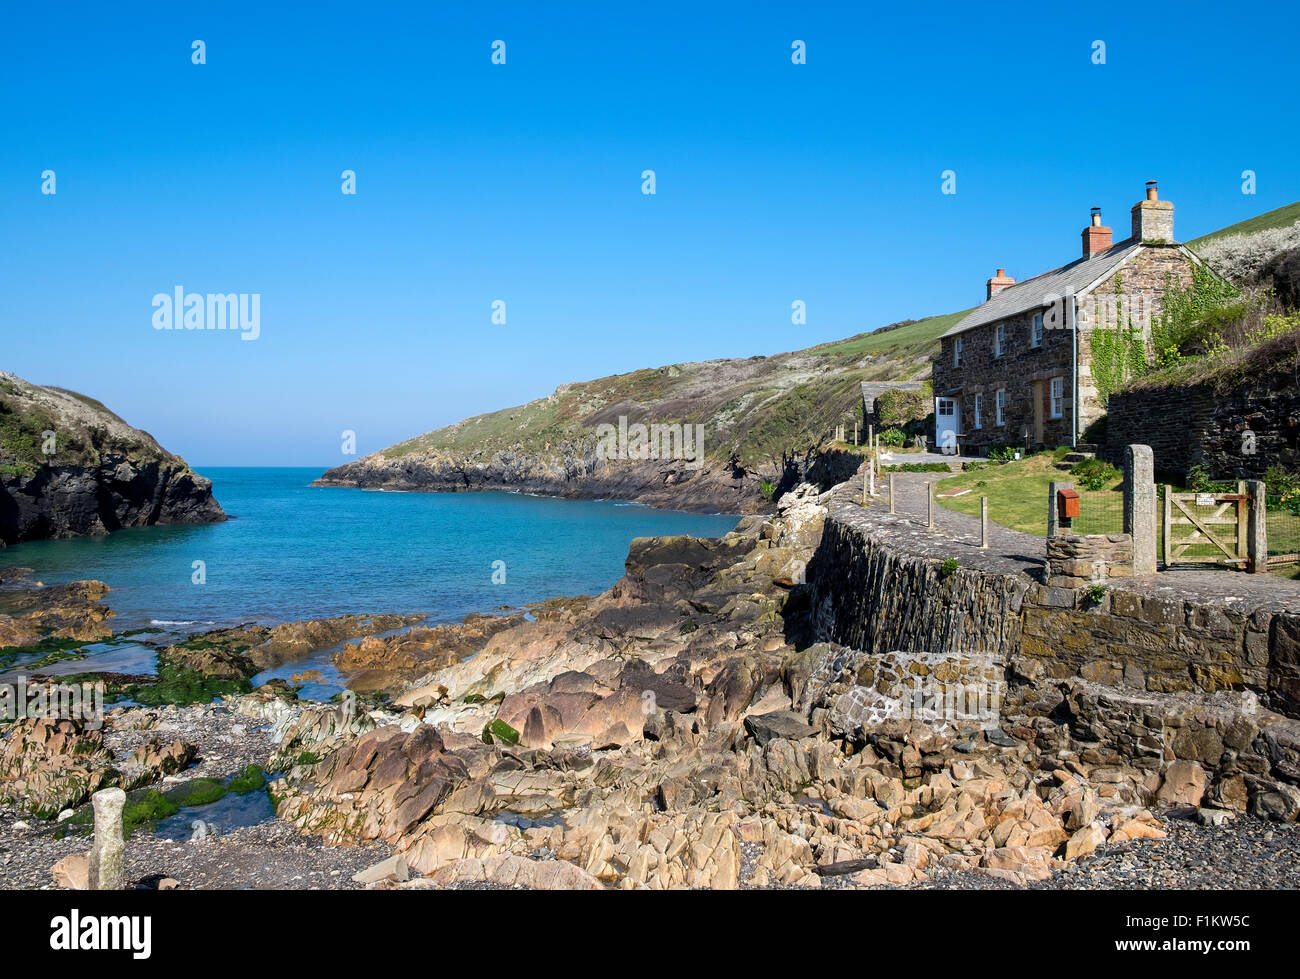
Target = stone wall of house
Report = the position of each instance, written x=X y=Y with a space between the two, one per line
x=1130 y=297
x=1078 y=560
x=1234 y=435
x=1016 y=370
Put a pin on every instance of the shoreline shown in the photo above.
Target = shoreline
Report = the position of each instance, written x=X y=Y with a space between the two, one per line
x=690 y=726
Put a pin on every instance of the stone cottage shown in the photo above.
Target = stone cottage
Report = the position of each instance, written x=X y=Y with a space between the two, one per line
x=1018 y=370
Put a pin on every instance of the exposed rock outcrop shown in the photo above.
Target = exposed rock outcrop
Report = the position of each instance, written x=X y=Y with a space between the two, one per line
x=69 y=467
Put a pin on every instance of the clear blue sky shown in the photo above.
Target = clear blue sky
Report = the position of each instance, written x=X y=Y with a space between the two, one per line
x=522 y=182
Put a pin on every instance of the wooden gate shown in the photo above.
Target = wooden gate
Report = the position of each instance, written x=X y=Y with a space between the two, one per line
x=1207 y=528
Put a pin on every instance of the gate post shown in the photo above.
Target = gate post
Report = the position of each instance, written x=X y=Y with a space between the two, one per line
x=1140 y=507
x=1257 y=531
x=1053 y=518
x=1169 y=523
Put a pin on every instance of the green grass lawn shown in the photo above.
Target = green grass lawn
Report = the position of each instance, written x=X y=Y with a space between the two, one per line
x=1018 y=494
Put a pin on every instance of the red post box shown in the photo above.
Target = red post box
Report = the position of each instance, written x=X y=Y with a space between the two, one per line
x=1067 y=504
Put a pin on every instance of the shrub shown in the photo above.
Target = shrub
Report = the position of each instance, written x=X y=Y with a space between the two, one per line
x=918 y=467
x=893 y=437
x=1094 y=474
x=1273 y=326
x=897 y=407
x=1002 y=453
x=1244 y=257
x=1280 y=482
x=1199 y=481
x=1284 y=271
x=1194 y=318
x=949 y=567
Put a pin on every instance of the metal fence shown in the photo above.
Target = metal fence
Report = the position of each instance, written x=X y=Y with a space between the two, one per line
x=1283 y=525
x=1100 y=512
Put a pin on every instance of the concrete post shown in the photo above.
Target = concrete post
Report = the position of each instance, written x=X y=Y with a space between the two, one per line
x=1053 y=520
x=1140 y=507
x=108 y=854
x=984 y=522
x=1257 y=531
x=891 y=492
x=871 y=475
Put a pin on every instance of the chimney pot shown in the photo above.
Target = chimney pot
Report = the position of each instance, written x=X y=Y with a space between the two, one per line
x=1096 y=238
x=1153 y=219
x=998 y=283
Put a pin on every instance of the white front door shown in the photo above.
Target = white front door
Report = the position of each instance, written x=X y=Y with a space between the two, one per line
x=947 y=424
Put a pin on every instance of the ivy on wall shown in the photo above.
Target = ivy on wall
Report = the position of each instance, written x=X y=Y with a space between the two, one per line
x=1118 y=355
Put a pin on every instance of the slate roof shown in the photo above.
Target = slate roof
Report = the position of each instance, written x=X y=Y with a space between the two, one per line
x=1039 y=291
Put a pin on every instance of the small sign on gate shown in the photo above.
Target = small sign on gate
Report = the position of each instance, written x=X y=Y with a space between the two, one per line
x=1205 y=499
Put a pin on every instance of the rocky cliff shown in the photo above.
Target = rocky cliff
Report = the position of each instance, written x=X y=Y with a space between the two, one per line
x=70 y=467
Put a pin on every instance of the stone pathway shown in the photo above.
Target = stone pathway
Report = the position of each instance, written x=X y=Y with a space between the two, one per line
x=957 y=535
x=888 y=458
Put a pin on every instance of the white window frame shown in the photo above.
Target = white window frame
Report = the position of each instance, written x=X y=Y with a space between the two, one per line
x=999 y=339
x=1000 y=405
x=1057 y=397
x=956 y=352
x=979 y=407
x=1036 y=331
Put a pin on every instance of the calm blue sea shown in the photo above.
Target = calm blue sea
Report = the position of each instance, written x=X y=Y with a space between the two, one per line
x=291 y=551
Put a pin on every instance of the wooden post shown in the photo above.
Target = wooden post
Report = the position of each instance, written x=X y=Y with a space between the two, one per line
x=855 y=435
x=871 y=474
x=1257 y=531
x=1243 y=513
x=984 y=522
x=1168 y=522
x=930 y=485
x=866 y=476
x=891 y=492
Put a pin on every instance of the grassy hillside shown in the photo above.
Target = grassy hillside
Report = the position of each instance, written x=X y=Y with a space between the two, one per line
x=920 y=334
x=753 y=410
x=1281 y=217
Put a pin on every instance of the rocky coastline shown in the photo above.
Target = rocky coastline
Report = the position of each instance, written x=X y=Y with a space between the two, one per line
x=689 y=727
x=577 y=472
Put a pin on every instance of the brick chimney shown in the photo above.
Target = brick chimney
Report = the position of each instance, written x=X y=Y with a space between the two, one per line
x=999 y=282
x=1153 y=219
x=1096 y=238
